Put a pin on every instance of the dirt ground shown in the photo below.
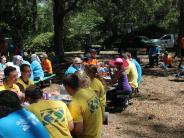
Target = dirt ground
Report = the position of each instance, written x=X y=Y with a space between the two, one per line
x=158 y=113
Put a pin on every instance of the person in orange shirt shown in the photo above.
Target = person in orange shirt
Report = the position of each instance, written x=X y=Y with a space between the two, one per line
x=182 y=50
x=46 y=64
x=94 y=61
x=90 y=58
x=167 y=59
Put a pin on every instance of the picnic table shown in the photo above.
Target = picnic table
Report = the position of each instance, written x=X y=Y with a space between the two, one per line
x=46 y=78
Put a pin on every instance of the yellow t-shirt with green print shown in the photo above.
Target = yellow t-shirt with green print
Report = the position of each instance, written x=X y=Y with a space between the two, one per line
x=55 y=117
x=85 y=108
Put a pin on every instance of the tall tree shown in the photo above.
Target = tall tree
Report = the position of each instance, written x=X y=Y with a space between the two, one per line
x=181 y=19
x=60 y=9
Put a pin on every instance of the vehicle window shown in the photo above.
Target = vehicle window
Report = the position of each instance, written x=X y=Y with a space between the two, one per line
x=166 y=37
x=145 y=38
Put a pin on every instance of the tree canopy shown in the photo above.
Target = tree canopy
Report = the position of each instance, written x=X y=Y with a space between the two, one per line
x=72 y=20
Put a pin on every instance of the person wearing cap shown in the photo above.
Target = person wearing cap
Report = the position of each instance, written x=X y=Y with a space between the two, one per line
x=77 y=63
x=36 y=67
x=167 y=60
x=46 y=64
x=120 y=75
x=154 y=54
x=93 y=59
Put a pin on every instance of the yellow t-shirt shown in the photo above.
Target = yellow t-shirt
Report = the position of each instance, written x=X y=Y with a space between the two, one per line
x=98 y=87
x=22 y=85
x=15 y=88
x=132 y=75
x=55 y=117
x=85 y=108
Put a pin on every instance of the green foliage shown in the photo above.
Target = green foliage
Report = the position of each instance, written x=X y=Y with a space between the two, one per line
x=40 y=43
x=84 y=23
x=80 y=27
x=45 y=17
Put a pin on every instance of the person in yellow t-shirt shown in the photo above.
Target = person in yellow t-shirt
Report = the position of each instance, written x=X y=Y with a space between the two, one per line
x=11 y=76
x=24 y=80
x=132 y=74
x=85 y=109
x=97 y=85
x=54 y=115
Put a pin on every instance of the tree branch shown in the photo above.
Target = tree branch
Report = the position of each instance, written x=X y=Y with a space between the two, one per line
x=72 y=7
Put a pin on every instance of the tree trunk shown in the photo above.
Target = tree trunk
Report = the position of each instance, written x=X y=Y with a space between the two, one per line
x=58 y=14
x=181 y=19
x=34 y=16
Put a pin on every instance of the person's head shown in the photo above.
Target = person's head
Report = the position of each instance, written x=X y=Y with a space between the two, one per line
x=118 y=63
x=33 y=94
x=35 y=57
x=25 y=71
x=3 y=60
x=17 y=60
x=121 y=64
x=91 y=71
x=93 y=53
x=71 y=83
x=9 y=102
x=84 y=80
x=28 y=52
x=124 y=56
x=166 y=53
x=45 y=56
x=77 y=62
x=11 y=74
x=129 y=55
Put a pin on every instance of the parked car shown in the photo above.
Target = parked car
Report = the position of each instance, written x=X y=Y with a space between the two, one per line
x=166 y=41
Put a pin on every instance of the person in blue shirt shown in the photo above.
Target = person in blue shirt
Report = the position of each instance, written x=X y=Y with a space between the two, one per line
x=76 y=66
x=154 y=54
x=17 y=122
x=36 y=67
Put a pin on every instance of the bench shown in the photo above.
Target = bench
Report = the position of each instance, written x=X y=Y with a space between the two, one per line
x=47 y=78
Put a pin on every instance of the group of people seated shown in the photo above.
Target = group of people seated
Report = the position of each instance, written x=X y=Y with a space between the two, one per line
x=39 y=68
x=27 y=113
x=154 y=57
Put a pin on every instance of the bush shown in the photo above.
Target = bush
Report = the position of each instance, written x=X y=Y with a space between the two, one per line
x=40 y=43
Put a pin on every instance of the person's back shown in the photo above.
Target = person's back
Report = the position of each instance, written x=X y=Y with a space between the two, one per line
x=54 y=115
x=139 y=70
x=85 y=108
x=37 y=69
x=22 y=124
x=123 y=84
